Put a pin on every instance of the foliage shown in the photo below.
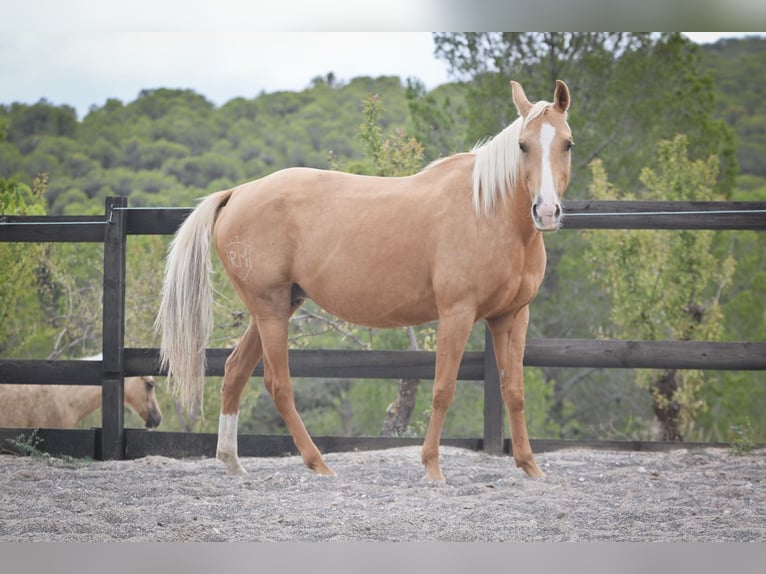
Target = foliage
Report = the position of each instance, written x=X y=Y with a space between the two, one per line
x=397 y=155
x=18 y=262
x=50 y=294
x=742 y=438
x=169 y=147
x=20 y=199
x=629 y=90
x=735 y=66
x=31 y=445
x=27 y=445
x=677 y=278
x=438 y=118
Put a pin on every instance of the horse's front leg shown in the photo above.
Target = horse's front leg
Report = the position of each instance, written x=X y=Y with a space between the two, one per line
x=239 y=367
x=451 y=338
x=509 y=336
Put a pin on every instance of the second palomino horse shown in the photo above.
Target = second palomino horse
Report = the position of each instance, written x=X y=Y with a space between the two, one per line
x=457 y=242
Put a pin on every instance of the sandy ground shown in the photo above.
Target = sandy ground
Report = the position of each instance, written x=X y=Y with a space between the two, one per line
x=681 y=495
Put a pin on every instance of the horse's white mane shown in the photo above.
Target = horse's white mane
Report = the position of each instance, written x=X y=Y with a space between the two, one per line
x=497 y=163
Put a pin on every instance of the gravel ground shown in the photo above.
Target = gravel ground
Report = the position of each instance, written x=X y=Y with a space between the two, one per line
x=588 y=495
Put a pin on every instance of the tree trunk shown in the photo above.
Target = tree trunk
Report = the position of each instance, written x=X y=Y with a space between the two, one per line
x=666 y=408
x=399 y=412
x=664 y=387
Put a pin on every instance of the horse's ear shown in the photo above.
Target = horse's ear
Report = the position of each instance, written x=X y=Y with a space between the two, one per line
x=561 y=97
x=523 y=105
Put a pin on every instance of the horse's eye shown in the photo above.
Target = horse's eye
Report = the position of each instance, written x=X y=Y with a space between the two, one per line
x=568 y=145
x=523 y=147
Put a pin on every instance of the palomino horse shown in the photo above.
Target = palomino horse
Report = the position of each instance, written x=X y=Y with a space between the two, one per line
x=64 y=406
x=457 y=242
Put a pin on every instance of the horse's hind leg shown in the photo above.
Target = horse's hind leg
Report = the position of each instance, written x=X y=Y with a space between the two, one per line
x=273 y=331
x=239 y=367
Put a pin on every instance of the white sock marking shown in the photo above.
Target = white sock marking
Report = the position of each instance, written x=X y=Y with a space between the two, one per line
x=227 y=434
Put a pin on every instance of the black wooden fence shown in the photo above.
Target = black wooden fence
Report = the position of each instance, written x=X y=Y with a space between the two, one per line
x=113 y=441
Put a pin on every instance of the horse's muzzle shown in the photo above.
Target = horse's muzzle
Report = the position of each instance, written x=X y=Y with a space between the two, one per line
x=546 y=216
x=153 y=420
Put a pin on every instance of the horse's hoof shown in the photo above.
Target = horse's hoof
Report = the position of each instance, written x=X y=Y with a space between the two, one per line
x=532 y=470
x=233 y=468
x=238 y=471
x=323 y=470
x=434 y=476
x=435 y=482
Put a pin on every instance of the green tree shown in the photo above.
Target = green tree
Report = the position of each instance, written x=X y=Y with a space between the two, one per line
x=736 y=66
x=629 y=91
x=28 y=123
x=18 y=262
x=50 y=294
x=664 y=285
x=737 y=399
x=438 y=118
x=396 y=155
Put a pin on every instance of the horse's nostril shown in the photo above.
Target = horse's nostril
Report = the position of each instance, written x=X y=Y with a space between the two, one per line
x=558 y=210
x=534 y=211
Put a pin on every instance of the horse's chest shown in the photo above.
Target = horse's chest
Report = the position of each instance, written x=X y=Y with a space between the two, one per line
x=518 y=283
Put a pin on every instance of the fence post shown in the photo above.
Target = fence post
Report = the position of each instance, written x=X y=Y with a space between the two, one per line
x=112 y=390
x=493 y=400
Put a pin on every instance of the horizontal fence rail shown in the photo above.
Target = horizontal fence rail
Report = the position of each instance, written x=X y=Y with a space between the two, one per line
x=354 y=364
x=670 y=215
x=119 y=221
x=578 y=214
x=52 y=229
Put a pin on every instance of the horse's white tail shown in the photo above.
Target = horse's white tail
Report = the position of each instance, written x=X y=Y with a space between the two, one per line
x=185 y=317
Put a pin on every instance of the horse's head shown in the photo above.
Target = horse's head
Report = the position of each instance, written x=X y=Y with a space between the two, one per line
x=545 y=143
x=141 y=397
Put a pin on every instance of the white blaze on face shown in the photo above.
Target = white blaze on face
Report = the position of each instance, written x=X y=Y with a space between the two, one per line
x=547 y=203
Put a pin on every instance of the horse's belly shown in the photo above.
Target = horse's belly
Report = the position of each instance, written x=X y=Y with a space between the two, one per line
x=382 y=318
x=379 y=304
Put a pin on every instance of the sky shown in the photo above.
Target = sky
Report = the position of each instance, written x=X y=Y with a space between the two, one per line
x=87 y=70
x=84 y=61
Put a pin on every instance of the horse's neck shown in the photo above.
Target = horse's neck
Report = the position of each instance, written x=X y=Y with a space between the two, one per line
x=82 y=400
x=517 y=211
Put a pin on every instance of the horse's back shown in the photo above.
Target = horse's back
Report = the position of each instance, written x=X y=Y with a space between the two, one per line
x=318 y=194
x=31 y=406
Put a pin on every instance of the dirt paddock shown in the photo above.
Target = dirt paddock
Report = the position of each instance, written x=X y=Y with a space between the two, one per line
x=588 y=495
